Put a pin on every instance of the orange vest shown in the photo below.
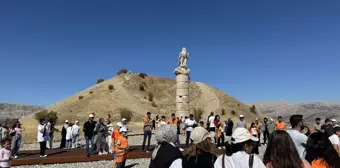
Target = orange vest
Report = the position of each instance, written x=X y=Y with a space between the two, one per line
x=121 y=154
x=319 y=163
x=251 y=131
x=280 y=126
x=219 y=131
x=173 y=122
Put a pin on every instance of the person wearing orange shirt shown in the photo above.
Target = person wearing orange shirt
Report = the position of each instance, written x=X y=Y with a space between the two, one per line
x=121 y=148
x=115 y=135
x=175 y=121
x=258 y=127
x=280 y=124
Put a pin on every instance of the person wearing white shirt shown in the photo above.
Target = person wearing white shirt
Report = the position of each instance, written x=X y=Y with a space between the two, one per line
x=42 y=137
x=69 y=136
x=189 y=124
x=75 y=134
x=335 y=139
x=241 y=158
x=299 y=139
x=162 y=121
x=109 y=135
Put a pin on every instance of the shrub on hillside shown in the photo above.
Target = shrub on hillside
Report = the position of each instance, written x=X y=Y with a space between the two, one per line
x=44 y=114
x=223 y=112
x=91 y=92
x=198 y=114
x=126 y=113
x=153 y=104
x=100 y=80
x=142 y=75
x=111 y=87
x=253 y=109
x=122 y=71
x=141 y=87
x=150 y=96
x=233 y=112
x=81 y=97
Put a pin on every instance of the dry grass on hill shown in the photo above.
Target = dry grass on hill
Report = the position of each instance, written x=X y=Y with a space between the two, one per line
x=128 y=93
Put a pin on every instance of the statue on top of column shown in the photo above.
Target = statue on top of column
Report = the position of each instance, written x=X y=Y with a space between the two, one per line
x=183 y=58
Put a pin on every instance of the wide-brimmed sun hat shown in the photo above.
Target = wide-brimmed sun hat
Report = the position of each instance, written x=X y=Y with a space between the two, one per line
x=242 y=135
x=199 y=134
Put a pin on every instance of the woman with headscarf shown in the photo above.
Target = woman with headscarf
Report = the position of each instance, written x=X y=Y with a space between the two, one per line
x=63 y=135
x=166 y=154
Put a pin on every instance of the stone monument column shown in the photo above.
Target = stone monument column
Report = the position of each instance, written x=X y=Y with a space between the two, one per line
x=182 y=84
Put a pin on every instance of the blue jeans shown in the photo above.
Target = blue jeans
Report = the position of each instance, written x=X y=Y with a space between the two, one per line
x=89 y=140
x=121 y=164
x=188 y=138
x=68 y=143
x=147 y=134
x=16 y=143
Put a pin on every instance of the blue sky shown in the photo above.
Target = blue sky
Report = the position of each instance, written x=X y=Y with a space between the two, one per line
x=253 y=50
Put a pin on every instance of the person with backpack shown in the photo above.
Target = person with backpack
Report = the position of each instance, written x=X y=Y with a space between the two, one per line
x=239 y=153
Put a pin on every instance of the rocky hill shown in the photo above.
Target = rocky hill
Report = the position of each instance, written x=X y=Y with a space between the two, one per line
x=132 y=92
x=310 y=110
x=9 y=111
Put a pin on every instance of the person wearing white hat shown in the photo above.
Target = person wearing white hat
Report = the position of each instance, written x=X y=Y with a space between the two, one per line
x=198 y=155
x=240 y=150
x=334 y=122
x=63 y=135
x=75 y=134
x=88 y=129
x=121 y=148
x=241 y=123
x=125 y=125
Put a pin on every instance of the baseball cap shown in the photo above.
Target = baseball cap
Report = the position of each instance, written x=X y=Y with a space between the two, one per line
x=242 y=135
x=256 y=119
x=91 y=115
x=119 y=124
x=122 y=129
x=124 y=119
x=66 y=121
x=76 y=122
x=241 y=116
x=333 y=120
x=199 y=134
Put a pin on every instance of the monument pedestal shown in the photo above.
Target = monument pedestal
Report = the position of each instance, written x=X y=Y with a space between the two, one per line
x=182 y=91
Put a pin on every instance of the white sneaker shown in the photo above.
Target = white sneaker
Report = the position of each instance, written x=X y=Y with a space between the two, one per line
x=181 y=149
x=223 y=147
x=15 y=156
x=100 y=153
x=219 y=148
x=43 y=156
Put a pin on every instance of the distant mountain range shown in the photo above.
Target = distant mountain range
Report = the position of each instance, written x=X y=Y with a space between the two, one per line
x=310 y=110
x=17 y=110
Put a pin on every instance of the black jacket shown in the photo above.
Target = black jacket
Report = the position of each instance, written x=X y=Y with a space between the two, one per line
x=88 y=128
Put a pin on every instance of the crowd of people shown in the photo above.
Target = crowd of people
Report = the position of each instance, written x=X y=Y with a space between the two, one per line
x=296 y=146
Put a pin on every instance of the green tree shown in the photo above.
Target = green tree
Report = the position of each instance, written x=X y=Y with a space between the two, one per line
x=100 y=80
x=253 y=109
